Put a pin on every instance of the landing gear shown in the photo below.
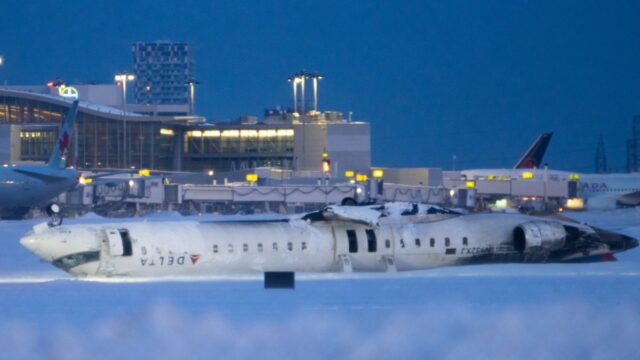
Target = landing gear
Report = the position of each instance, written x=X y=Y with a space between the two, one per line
x=55 y=215
x=348 y=202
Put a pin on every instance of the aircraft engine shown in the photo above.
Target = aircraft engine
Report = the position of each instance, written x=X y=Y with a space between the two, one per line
x=539 y=235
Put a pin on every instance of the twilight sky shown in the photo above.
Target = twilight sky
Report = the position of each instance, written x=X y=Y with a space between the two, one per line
x=478 y=79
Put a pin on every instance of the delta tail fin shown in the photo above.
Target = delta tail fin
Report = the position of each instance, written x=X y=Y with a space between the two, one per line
x=533 y=157
x=60 y=152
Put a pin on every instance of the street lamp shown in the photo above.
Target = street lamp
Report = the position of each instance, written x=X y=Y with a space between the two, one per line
x=302 y=77
x=192 y=95
x=294 y=83
x=315 y=77
x=2 y=63
x=296 y=79
x=122 y=78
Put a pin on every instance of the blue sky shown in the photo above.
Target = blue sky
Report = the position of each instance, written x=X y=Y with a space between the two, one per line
x=478 y=79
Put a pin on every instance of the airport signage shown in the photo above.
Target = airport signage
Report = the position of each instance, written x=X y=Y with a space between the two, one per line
x=68 y=92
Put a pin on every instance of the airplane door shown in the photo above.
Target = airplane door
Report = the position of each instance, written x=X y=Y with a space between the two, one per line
x=115 y=242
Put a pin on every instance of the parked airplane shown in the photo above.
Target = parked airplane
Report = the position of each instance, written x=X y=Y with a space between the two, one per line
x=533 y=157
x=599 y=191
x=530 y=160
x=24 y=186
x=608 y=191
x=391 y=237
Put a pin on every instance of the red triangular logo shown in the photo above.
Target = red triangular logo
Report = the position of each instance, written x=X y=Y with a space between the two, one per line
x=64 y=142
x=194 y=259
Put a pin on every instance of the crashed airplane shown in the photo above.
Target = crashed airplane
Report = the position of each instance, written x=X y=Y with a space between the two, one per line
x=378 y=238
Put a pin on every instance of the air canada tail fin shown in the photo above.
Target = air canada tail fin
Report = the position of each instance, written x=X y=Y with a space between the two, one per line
x=61 y=148
x=533 y=157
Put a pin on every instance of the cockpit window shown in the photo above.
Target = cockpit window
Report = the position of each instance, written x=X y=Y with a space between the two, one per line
x=70 y=261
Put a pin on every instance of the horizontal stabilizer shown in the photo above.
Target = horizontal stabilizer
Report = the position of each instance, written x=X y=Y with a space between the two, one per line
x=43 y=176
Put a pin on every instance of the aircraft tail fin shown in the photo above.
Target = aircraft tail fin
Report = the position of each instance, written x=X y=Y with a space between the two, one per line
x=533 y=157
x=58 y=158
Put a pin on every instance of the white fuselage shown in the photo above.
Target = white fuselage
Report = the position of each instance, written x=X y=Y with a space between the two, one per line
x=189 y=248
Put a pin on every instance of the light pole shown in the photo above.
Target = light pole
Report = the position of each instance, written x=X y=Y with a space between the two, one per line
x=2 y=63
x=296 y=79
x=302 y=77
x=192 y=95
x=294 y=83
x=122 y=78
x=315 y=77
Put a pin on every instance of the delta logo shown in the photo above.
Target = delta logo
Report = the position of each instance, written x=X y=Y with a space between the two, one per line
x=64 y=142
x=194 y=259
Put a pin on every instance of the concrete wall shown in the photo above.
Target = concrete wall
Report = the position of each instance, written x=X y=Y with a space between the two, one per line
x=103 y=94
x=349 y=147
x=413 y=176
x=10 y=143
x=310 y=140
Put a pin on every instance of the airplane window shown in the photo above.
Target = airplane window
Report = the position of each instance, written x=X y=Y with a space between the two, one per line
x=245 y=247
x=275 y=246
x=304 y=245
x=465 y=241
x=387 y=243
x=215 y=248
x=432 y=242
x=447 y=242
x=230 y=248
x=70 y=261
x=353 y=241
x=401 y=243
x=372 y=244
x=260 y=247
x=290 y=246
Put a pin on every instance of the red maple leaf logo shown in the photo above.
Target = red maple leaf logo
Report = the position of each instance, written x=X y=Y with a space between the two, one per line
x=64 y=142
x=194 y=259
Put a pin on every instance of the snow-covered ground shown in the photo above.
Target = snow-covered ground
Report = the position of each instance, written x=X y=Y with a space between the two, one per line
x=490 y=311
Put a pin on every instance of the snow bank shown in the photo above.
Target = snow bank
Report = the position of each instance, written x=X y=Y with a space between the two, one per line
x=450 y=331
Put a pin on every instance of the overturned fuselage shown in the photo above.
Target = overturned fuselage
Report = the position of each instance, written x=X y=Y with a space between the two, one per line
x=336 y=239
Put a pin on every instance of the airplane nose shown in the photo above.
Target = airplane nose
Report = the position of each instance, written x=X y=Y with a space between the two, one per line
x=30 y=242
x=36 y=244
x=630 y=242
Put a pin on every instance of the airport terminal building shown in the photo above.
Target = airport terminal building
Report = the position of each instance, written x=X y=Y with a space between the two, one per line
x=145 y=136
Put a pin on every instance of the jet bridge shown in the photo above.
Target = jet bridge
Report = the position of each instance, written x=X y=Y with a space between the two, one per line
x=487 y=190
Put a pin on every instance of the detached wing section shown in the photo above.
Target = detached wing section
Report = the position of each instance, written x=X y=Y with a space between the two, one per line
x=371 y=215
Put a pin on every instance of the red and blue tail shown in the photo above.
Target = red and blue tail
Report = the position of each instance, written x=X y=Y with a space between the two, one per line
x=58 y=157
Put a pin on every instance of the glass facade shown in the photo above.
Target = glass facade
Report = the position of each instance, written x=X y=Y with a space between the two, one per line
x=162 y=71
x=154 y=143
x=238 y=148
x=97 y=141
x=36 y=143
